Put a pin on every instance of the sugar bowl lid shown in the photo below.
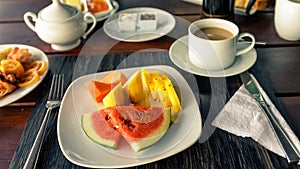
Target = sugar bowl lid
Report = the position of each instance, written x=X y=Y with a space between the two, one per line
x=57 y=11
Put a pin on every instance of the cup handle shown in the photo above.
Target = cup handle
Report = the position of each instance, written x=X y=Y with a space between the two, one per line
x=27 y=21
x=248 y=48
x=85 y=18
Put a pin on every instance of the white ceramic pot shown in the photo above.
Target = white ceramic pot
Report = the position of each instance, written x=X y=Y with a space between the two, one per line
x=60 y=25
x=287 y=19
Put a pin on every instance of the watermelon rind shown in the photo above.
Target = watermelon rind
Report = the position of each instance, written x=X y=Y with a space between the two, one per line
x=87 y=125
x=138 y=144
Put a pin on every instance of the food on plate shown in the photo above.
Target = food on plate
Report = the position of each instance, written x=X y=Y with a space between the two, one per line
x=75 y=3
x=115 y=97
x=127 y=21
x=19 y=69
x=143 y=21
x=20 y=54
x=141 y=110
x=140 y=126
x=37 y=65
x=6 y=88
x=97 y=129
x=134 y=88
x=99 y=89
x=28 y=78
x=114 y=78
x=96 y=6
x=10 y=66
x=162 y=89
x=147 y=21
x=4 y=53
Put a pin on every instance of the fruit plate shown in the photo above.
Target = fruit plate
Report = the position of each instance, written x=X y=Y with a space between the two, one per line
x=21 y=92
x=80 y=150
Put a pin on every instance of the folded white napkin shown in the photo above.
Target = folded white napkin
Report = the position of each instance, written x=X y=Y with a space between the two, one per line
x=243 y=117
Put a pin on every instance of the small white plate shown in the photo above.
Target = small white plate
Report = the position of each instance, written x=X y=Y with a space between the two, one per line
x=166 y=23
x=179 y=55
x=21 y=92
x=84 y=152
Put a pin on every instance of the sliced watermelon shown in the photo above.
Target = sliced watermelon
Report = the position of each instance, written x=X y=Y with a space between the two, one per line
x=140 y=126
x=97 y=129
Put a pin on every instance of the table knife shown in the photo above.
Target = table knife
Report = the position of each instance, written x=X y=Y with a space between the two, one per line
x=286 y=143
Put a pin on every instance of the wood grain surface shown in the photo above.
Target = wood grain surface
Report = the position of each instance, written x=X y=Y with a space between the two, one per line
x=277 y=66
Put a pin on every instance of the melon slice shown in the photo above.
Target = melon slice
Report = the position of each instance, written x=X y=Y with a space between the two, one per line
x=134 y=88
x=114 y=78
x=115 y=97
x=98 y=130
x=140 y=126
x=99 y=89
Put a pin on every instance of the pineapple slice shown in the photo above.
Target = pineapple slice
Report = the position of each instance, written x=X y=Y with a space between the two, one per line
x=148 y=88
x=161 y=91
x=148 y=83
x=172 y=95
x=176 y=106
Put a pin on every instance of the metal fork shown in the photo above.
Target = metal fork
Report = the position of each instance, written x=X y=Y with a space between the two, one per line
x=54 y=100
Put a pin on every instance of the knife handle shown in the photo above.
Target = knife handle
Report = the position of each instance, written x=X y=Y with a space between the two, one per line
x=286 y=143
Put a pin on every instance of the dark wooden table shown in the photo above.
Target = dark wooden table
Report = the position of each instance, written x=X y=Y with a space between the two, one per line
x=276 y=68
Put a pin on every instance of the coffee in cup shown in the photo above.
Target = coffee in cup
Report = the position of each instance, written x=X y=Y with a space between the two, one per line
x=213 y=42
x=213 y=33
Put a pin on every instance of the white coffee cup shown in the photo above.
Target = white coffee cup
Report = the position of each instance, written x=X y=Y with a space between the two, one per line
x=286 y=19
x=215 y=54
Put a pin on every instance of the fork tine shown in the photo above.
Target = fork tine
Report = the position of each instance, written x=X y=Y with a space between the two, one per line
x=61 y=84
x=57 y=87
x=52 y=87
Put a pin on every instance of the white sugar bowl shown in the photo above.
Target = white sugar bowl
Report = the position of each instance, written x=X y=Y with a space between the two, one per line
x=60 y=25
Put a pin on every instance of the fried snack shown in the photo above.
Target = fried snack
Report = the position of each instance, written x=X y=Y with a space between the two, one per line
x=4 y=53
x=10 y=66
x=29 y=77
x=6 y=88
x=21 y=55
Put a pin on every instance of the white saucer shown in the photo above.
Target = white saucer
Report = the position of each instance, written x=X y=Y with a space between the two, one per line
x=179 y=55
x=166 y=23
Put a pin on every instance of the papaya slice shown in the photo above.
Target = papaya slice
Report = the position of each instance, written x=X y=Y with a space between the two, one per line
x=98 y=89
x=114 y=78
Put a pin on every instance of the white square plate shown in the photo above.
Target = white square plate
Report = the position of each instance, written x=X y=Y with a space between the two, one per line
x=79 y=149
